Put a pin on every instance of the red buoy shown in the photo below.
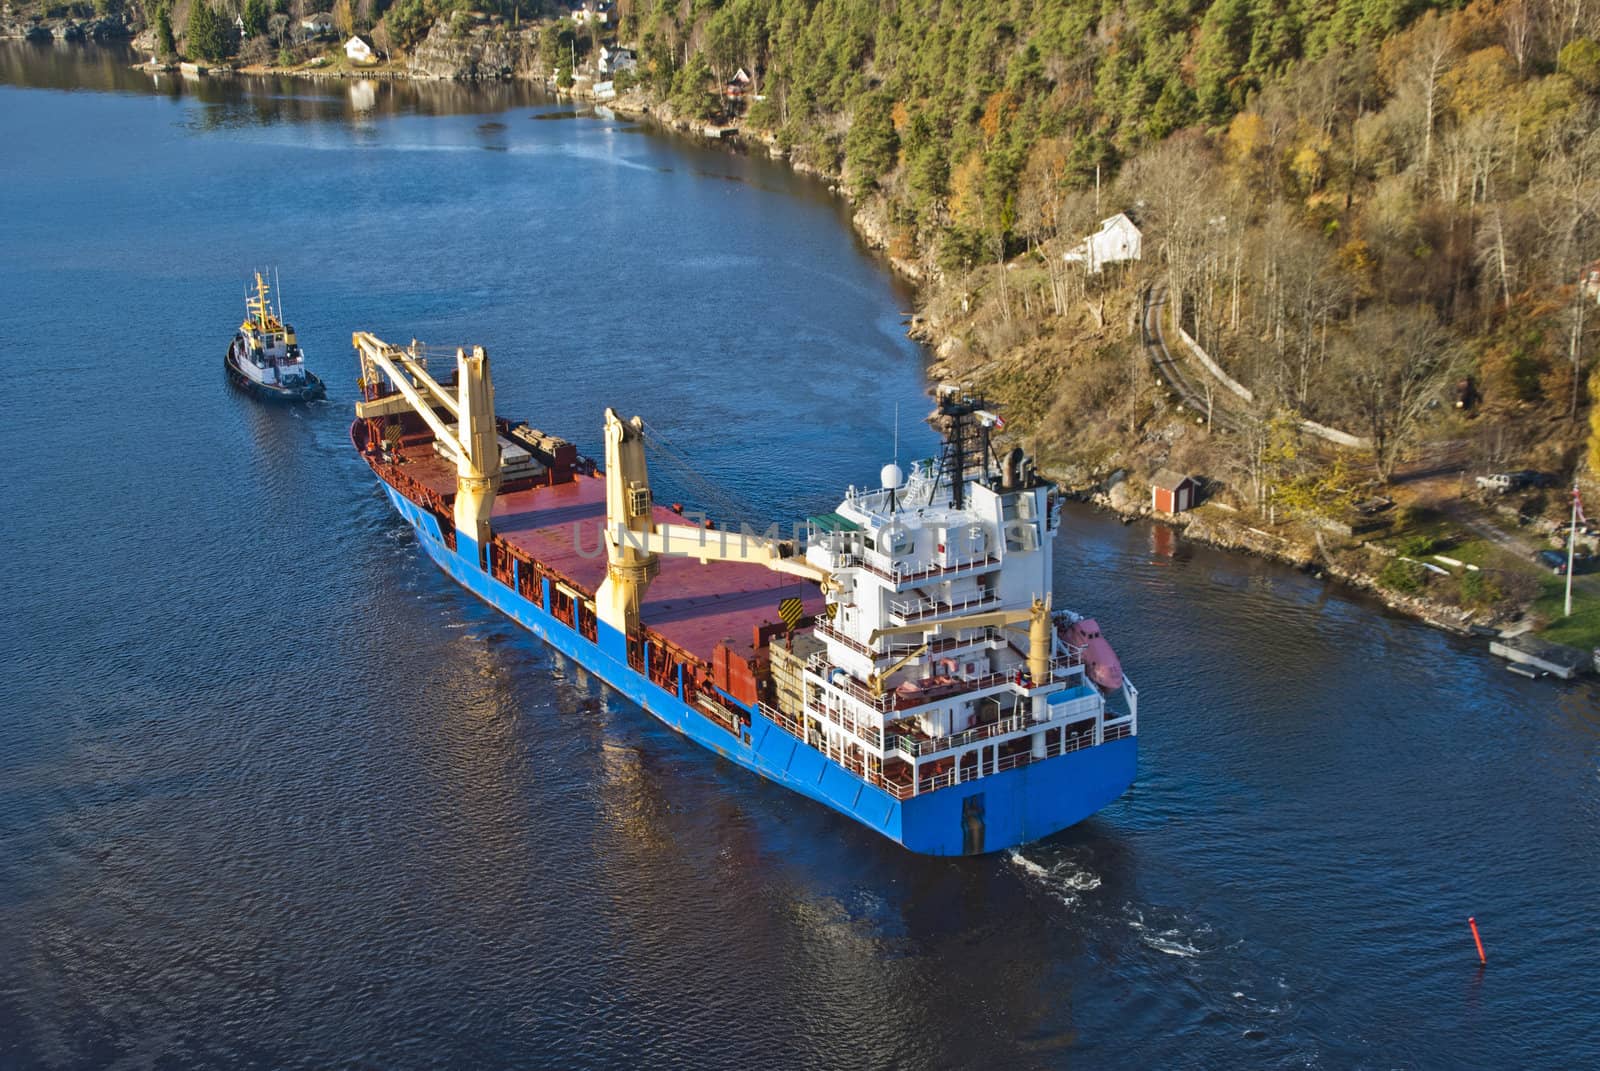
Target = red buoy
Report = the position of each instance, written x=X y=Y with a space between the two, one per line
x=1473 y=922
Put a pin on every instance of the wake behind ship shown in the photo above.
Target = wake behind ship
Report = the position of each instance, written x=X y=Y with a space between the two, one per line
x=902 y=664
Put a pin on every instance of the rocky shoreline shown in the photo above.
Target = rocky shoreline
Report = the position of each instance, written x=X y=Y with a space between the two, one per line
x=1240 y=537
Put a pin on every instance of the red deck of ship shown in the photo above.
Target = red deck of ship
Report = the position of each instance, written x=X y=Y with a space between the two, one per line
x=693 y=606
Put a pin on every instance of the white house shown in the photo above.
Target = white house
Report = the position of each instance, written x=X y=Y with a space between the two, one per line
x=614 y=58
x=318 y=24
x=598 y=12
x=360 y=50
x=1117 y=240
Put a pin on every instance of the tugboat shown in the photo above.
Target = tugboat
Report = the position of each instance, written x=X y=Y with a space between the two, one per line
x=264 y=360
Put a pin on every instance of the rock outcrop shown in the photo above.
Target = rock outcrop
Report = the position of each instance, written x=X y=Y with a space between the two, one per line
x=120 y=26
x=483 y=53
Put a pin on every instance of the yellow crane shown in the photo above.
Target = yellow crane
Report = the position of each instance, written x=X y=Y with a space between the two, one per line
x=1037 y=615
x=473 y=439
x=635 y=543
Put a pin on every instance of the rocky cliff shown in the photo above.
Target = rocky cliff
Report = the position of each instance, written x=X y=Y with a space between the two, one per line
x=481 y=53
x=30 y=26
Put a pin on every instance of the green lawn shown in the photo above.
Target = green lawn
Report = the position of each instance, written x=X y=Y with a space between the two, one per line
x=1582 y=629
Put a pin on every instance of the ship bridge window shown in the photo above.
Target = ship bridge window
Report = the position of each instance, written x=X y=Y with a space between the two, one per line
x=1021 y=536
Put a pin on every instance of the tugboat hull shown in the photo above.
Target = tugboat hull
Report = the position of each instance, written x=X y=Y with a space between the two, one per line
x=311 y=392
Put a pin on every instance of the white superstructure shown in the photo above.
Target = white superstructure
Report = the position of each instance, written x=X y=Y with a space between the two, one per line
x=940 y=660
x=265 y=349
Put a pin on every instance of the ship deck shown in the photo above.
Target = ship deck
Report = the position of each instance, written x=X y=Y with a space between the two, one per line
x=691 y=605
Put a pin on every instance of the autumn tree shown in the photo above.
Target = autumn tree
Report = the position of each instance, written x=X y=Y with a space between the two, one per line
x=1175 y=180
x=1569 y=187
x=1417 y=62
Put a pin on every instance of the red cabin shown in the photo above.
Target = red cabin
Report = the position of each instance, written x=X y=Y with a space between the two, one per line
x=1173 y=492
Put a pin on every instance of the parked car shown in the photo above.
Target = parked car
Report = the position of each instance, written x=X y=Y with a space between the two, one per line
x=1530 y=478
x=1506 y=482
x=1554 y=560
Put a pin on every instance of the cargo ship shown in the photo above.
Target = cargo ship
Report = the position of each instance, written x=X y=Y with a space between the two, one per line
x=897 y=660
x=264 y=359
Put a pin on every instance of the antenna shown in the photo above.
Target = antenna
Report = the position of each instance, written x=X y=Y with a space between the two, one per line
x=278 y=286
x=897 y=433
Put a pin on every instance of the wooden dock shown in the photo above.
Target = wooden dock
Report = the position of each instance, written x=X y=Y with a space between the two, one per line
x=1527 y=650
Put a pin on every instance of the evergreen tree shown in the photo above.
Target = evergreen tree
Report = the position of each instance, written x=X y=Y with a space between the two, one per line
x=256 y=13
x=206 y=36
x=164 y=39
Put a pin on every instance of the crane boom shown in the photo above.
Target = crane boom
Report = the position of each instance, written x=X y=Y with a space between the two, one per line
x=474 y=440
x=635 y=543
x=1037 y=616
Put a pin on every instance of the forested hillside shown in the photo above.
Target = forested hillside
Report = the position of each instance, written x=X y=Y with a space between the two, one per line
x=1355 y=203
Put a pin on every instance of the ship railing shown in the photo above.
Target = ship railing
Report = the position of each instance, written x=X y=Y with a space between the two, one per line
x=872 y=734
x=914 y=747
x=898 y=789
x=1119 y=730
x=898 y=572
x=825 y=630
x=783 y=721
x=907 y=611
x=819 y=664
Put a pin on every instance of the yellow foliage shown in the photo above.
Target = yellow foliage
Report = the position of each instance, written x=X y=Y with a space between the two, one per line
x=1356 y=260
x=1002 y=105
x=1246 y=137
x=1479 y=84
x=966 y=191
x=1309 y=159
x=899 y=116
x=1594 y=421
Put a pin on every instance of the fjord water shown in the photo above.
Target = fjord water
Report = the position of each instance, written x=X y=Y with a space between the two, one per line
x=275 y=793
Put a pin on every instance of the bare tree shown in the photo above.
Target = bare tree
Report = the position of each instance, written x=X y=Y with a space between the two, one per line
x=1517 y=26
x=1177 y=182
x=1568 y=186
x=1418 y=60
x=1391 y=366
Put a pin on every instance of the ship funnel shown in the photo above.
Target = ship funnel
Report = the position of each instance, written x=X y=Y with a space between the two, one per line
x=1011 y=477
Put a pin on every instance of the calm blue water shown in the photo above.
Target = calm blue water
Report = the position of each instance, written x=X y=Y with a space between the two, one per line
x=275 y=793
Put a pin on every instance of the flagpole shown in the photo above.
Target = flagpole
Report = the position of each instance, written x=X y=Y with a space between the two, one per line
x=1572 y=542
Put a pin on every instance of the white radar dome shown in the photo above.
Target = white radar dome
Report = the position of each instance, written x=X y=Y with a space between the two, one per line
x=892 y=476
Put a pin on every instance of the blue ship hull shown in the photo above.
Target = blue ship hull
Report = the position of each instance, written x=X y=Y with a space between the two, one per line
x=992 y=813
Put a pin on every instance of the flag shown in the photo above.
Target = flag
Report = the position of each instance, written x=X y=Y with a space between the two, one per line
x=1577 y=505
